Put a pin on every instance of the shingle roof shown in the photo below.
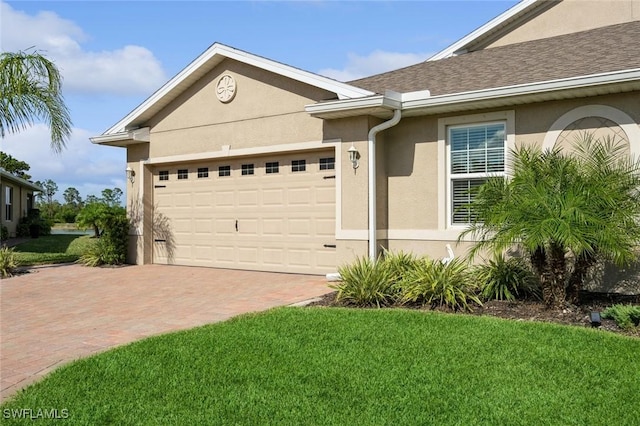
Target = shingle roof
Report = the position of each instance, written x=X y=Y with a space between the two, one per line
x=606 y=49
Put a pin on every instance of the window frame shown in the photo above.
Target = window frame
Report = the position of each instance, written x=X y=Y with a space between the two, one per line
x=163 y=175
x=272 y=167
x=203 y=172
x=327 y=163
x=249 y=168
x=182 y=174
x=469 y=176
x=443 y=209
x=224 y=171
x=299 y=166
x=8 y=203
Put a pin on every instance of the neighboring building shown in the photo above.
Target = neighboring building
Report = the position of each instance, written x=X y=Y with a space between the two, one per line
x=243 y=162
x=16 y=200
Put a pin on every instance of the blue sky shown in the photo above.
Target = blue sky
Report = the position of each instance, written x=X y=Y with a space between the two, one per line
x=114 y=54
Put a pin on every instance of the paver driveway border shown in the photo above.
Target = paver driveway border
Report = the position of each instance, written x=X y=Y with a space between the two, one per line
x=53 y=315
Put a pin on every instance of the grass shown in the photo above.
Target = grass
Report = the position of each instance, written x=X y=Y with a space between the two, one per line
x=344 y=366
x=53 y=249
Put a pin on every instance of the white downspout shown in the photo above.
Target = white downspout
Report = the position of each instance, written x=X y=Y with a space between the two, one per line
x=372 y=179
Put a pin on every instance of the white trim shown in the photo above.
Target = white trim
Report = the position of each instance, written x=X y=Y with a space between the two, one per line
x=621 y=118
x=491 y=26
x=526 y=89
x=444 y=196
x=142 y=134
x=217 y=52
x=414 y=101
x=404 y=234
x=226 y=151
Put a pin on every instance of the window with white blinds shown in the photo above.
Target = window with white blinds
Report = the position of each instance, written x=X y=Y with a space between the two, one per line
x=476 y=152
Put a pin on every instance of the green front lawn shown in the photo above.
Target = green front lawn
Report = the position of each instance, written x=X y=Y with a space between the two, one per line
x=53 y=249
x=333 y=366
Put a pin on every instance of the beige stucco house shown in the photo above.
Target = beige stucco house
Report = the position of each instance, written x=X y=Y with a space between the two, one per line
x=16 y=200
x=243 y=162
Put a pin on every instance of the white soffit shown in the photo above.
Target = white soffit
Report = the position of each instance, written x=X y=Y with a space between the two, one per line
x=490 y=27
x=206 y=62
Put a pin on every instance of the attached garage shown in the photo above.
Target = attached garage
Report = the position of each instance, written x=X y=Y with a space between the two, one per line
x=267 y=213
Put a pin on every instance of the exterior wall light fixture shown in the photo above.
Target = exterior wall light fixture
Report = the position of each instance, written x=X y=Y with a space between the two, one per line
x=354 y=155
x=131 y=175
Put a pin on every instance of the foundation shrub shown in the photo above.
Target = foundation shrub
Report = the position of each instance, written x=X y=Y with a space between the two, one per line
x=8 y=262
x=399 y=265
x=506 y=278
x=366 y=283
x=626 y=316
x=435 y=283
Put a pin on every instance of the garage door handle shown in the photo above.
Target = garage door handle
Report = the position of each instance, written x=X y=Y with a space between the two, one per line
x=330 y=246
x=236 y=225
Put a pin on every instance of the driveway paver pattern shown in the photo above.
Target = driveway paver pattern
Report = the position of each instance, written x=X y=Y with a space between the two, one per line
x=55 y=314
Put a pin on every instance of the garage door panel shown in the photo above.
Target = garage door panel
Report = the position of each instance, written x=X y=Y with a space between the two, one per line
x=298 y=196
x=272 y=227
x=273 y=197
x=284 y=220
x=203 y=226
x=248 y=256
x=248 y=198
x=224 y=199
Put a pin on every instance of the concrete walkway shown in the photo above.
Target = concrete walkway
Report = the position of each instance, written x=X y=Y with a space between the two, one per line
x=56 y=314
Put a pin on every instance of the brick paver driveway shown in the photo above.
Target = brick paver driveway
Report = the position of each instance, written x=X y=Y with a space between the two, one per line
x=53 y=315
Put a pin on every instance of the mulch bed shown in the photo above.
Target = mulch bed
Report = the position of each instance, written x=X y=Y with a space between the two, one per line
x=533 y=310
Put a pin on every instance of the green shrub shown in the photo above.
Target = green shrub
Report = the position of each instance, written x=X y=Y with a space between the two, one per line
x=8 y=262
x=438 y=284
x=22 y=230
x=626 y=316
x=111 y=248
x=366 y=283
x=506 y=279
x=399 y=265
x=4 y=233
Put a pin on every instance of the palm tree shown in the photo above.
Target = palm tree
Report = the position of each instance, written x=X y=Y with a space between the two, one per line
x=566 y=211
x=30 y=90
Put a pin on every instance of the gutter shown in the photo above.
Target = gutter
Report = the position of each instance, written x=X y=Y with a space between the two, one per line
x=397 y=115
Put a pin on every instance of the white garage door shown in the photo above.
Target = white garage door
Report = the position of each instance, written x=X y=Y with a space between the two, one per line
x=273 y=213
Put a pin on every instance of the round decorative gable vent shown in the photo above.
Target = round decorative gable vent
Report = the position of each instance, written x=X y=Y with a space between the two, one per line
x=226 y=88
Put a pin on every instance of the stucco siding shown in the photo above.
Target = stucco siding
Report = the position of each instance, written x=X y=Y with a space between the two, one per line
x=571 y=16
x=267 y=110
x=409 y=168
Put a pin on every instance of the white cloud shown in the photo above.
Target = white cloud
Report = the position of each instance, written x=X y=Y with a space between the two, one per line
x=87 y=167
x=127 y=70
x=376 y=62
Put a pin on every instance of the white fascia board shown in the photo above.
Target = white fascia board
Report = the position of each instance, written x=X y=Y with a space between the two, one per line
x=137 y=135
x=353 y=104
x=18 y=180
x=525 y=89
x=423 y=99
x=343 y=90
x=492 y=25
x=109 y=138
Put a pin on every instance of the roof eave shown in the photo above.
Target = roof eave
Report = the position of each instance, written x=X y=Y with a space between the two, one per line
x=490 y=27
x=614 y=82
x=421 y=103
x=22 y=182
x=123 y=139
